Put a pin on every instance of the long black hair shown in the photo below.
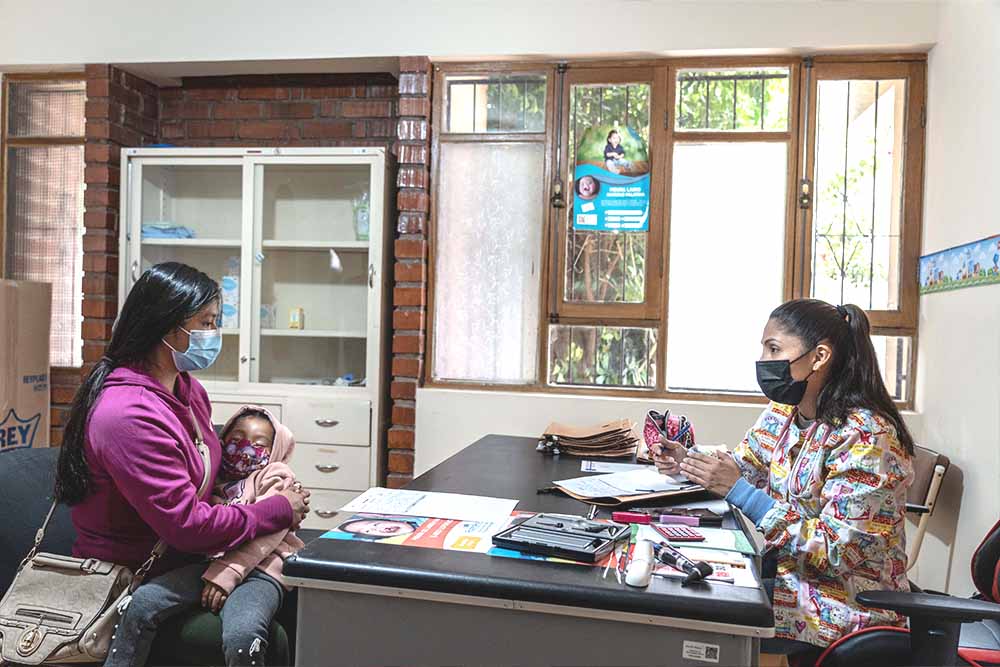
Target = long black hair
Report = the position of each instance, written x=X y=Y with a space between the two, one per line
x=855 y=381
x=163 y=298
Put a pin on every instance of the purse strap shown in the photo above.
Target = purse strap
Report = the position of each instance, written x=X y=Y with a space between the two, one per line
x=160 y=547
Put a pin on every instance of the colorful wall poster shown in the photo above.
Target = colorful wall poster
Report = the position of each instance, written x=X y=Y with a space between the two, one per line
x=969 y=265
x=411 y=531
x=611 y=180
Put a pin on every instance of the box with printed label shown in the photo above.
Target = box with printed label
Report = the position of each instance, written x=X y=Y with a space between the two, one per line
x=25 y=314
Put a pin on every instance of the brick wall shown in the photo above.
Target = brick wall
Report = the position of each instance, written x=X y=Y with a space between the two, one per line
x=410 y=293
x=311 y=110
x=122 y=110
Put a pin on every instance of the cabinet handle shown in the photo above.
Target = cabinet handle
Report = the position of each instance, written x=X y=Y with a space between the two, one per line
x=325 y=514
x=327 y=423
x=326 y=467
x=371 y=275
x=135 y=270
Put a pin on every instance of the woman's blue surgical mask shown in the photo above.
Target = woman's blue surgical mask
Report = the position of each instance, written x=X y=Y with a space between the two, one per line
x=204 y=346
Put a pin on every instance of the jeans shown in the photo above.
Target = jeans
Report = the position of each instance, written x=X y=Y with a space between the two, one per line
x=246 y=615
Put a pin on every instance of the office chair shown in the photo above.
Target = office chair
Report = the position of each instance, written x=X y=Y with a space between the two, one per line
x=944 y=630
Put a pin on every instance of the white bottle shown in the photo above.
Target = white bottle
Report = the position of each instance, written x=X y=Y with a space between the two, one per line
x=640 y=568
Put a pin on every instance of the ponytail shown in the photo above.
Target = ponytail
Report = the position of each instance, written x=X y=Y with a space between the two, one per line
x=161 y=300
x=855 y=380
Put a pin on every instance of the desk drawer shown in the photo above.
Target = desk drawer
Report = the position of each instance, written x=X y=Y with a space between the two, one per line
x=324 y=507
x=332 y=466
x=338 y=422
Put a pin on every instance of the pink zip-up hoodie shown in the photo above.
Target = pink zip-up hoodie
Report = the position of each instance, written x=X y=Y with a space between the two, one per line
x=145 y=471
x=267 y=553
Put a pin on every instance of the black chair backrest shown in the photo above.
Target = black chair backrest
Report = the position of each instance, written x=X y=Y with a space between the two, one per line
x=986 y=565
x=26 y=479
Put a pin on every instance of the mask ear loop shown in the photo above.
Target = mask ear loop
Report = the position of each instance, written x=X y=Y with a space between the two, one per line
x=164 y=340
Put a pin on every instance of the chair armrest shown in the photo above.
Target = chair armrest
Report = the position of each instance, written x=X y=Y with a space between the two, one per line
x=917 y=509
x=925 y=605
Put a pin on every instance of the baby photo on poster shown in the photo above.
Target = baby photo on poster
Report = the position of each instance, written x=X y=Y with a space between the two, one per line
x=611 y=180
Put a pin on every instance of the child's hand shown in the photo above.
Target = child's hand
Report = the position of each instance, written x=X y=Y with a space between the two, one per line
x=213 y=597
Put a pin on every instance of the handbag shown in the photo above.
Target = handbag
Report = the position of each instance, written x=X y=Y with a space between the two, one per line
x=62 y=610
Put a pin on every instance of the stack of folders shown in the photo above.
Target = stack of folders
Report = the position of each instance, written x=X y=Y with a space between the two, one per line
x=616 y=439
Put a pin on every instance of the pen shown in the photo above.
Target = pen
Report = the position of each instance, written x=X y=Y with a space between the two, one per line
x=592 y=513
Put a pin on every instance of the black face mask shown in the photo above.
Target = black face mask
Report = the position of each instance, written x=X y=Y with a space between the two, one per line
x=776 y=381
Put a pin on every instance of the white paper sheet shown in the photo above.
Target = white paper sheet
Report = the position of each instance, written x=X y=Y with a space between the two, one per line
x=608 y=466
x=630 y=483
x=378 y=500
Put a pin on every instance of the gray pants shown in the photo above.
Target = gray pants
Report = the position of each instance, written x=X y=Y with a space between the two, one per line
x=246 y=615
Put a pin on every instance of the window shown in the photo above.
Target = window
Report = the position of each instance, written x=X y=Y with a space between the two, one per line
x=42 y=144
x=687 y=199
x=489 y=226
x=861 y=231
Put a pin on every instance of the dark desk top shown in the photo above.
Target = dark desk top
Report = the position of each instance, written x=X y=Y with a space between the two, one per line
x=508 y=467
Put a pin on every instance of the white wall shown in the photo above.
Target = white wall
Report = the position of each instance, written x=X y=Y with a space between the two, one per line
x=959 y=348
x=131 y=31
x=449 y=420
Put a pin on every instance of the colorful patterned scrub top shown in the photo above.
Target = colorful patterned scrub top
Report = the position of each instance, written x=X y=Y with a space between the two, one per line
x=836 y=526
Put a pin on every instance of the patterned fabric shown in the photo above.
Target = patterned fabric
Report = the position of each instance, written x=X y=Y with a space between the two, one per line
x=836 y=527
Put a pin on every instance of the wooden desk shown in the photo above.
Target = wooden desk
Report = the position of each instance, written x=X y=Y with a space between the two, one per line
x=363 y=603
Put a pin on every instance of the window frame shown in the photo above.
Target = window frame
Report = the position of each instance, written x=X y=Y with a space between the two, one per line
x=902 y=321
x=6 y=143
x=648 y=312
x=796 y=237
x=438 y=136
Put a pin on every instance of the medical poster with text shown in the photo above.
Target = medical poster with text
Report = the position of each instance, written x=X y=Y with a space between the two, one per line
x=611 y=180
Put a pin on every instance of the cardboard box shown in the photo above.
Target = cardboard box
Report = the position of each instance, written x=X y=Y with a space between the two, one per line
x=25 y=318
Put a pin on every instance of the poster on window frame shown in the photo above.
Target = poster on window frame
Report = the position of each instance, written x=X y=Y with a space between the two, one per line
x=969 y=265
x=611 y=180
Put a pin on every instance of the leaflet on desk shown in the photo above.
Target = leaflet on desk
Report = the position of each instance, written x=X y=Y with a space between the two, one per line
x=403 y=502
x=617 y=484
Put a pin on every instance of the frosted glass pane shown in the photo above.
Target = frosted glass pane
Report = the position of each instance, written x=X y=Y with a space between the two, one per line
x=487 y=271
x=727 y=258
x=45 y=236
x=46 y=109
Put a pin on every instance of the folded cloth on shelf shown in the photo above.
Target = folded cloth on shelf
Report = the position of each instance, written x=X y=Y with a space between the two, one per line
x=165 y=230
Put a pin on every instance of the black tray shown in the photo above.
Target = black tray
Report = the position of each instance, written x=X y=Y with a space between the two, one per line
x=563 y=536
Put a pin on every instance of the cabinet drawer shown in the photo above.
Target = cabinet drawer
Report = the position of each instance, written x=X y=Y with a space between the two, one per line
x=332 y=466
x=338 y=422
x=325 y=508
x=223 y=410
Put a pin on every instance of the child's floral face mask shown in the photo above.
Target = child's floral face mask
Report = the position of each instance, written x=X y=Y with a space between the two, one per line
x=242 y=457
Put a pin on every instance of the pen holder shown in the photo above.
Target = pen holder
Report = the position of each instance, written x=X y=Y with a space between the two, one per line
x=673 y=427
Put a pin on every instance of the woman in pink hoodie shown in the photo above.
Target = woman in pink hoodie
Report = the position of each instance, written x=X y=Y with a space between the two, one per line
x=129 y=464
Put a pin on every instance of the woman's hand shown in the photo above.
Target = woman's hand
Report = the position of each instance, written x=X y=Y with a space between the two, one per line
x=667 y=455
x=716 y=472
x=298 y=498
x=213 y=597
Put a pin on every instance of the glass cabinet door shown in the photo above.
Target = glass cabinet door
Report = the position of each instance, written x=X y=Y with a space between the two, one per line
x=191 y=211
x=311 y=273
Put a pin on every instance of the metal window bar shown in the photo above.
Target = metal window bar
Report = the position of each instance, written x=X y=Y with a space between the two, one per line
x=871 y=248
x=696 y=77
x=843 y=196
x=762 y=107
x=734 y=104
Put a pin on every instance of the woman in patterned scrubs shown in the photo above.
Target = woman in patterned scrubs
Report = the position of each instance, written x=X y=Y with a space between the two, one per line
x=823 y=473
